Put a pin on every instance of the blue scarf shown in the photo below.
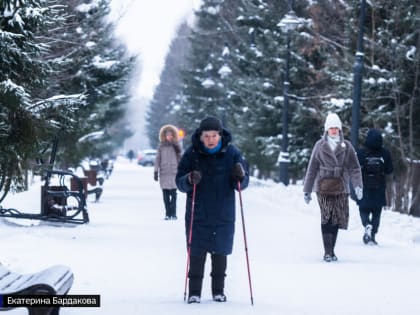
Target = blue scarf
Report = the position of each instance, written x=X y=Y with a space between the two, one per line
x=215 y=149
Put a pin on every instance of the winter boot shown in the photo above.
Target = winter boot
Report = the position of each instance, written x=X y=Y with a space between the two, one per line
x=194 y=299
x=373 y=240
x=167 y=202
x=195 y=275
x=368 y=234
x=334 y=240
x=219 y=298
x=218 y=263
x=327 y=239
x=194 y=290
x=328 y=258
x=173 y=204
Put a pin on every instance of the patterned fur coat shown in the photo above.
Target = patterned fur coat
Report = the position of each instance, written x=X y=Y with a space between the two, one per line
x=342 y=163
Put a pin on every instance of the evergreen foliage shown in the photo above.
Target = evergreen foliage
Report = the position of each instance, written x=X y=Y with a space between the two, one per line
x=168 y=97
x=61 y=71
x=91 y=61
x=22 y=72
x=249 y=99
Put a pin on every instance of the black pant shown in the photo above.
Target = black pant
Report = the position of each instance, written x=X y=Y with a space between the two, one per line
x=371 y=216
x=196 y=273
x=169 y=198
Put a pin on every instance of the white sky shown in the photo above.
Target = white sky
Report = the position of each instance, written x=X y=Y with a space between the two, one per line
x=148 y=27
x=136 y=260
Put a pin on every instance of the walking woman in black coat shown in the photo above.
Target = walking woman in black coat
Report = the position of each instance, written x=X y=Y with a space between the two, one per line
x=374 y=185
x=215 y=167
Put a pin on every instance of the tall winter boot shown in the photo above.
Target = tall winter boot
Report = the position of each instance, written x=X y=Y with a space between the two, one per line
x=373 y=239
x=194 y=289
x=173 y=205
x=167 y=202
x=334 y=240
x=218 y=275
x=327 y=239
x=195 y=275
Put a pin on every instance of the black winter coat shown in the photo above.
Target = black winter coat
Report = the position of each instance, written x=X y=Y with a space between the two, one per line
x=374 y=198
x=214 y=210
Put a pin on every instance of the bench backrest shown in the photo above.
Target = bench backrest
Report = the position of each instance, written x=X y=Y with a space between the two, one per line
x=56 y=279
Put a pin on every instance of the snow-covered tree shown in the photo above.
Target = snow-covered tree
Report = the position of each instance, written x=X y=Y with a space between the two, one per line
x=23 y=71
x=90 y=60
x=61 y=69
x=168 y=97
x=391 y=90
x=205 y=90
x=322 y=55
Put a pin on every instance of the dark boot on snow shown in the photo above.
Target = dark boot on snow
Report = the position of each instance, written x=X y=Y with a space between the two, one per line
x=327 y=239
x=368 y=234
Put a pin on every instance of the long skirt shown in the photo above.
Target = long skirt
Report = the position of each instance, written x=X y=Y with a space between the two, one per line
x=335 y=208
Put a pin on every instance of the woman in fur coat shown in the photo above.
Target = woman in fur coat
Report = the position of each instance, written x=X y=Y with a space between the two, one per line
x=333 y=164
x=166 y=165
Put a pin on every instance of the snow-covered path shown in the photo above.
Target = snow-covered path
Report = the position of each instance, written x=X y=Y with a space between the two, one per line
x=136 y=260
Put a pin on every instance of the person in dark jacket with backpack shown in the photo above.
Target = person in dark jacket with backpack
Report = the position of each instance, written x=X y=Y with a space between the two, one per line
x=376 y=164
x=214 y=168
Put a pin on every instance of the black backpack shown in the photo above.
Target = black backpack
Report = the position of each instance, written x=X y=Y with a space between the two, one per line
x=373 y=172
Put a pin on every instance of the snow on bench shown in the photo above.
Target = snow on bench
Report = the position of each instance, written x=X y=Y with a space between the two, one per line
x=55 y=280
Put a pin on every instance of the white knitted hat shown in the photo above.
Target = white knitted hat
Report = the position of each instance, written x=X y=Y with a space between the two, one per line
x=332 y=121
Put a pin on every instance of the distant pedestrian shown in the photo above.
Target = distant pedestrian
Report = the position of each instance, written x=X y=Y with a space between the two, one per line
x=131 y=155
x=332 y=165
x=215 y=167
x=376 y=164
x=166 y=164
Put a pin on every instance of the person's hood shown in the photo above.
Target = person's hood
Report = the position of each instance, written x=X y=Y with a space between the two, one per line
x=374 y=139
x=166 y=128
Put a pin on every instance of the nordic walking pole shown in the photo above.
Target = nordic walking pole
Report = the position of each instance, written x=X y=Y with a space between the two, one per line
x=189 y=241
x=245 y=242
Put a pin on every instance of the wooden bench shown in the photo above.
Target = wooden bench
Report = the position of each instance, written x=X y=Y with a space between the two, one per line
x=54 y=198
x=55 y=280
x=95 y=182
x=58 y=202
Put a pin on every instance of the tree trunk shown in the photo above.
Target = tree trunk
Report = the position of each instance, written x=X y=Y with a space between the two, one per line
x=401 y=196
x=415 y=205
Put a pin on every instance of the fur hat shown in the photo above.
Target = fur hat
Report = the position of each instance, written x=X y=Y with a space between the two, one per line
x=211 y=123
x=332 y=121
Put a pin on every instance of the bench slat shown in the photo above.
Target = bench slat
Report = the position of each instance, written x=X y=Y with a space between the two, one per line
x=57 y=279
x=14 y=281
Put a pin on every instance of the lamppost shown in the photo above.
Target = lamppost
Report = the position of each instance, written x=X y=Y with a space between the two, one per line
x=358 y=74
x=287 y=24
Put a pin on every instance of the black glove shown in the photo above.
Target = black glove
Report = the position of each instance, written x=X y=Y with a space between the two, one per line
x=238 y=172
x=156 y=177
x=194 y=177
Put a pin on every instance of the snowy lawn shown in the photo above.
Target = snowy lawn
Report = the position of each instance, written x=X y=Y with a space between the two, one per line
x=136 y=260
